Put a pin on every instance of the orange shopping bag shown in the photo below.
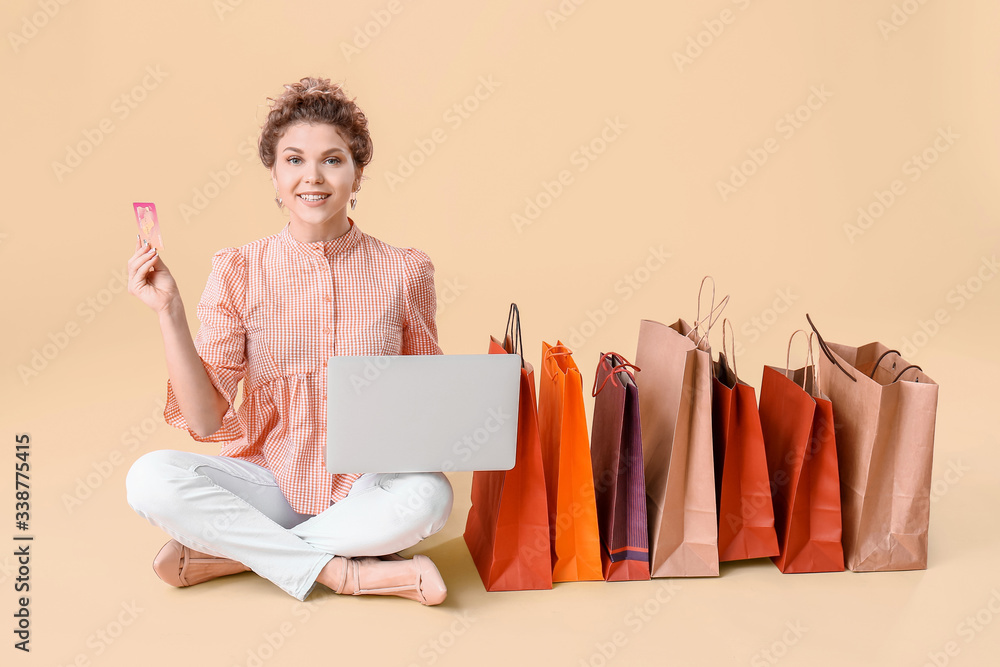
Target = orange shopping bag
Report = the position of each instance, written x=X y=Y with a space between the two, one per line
x=507 y=530
x=569 y=476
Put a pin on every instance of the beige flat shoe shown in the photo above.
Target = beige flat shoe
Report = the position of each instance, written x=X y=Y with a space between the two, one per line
x=181 y=566
x=416 y=578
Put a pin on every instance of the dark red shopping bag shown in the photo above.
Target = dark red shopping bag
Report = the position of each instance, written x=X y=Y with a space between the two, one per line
x=797 y=422
x=619 y=481
x=507 y=530
x=743 y=492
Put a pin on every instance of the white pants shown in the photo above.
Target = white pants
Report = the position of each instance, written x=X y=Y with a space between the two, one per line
x=232 y=508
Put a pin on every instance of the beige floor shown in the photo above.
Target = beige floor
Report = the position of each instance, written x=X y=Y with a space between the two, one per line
x=96 y=599
x=739 y=138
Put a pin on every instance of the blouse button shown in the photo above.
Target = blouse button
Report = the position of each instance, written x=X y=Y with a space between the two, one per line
x=326 y=330
x=327 y=298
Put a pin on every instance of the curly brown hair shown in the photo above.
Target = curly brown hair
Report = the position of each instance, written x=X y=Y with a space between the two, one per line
x=313 y=100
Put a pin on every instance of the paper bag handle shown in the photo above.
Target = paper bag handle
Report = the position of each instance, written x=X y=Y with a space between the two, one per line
x=881 y=357
x=732 y=358
x=810 y=358
x=614 y=369
x=827 y=351
x=713 y=313
x=512 y=334
x=896 y=352
x=906 y=369
x=559 y=349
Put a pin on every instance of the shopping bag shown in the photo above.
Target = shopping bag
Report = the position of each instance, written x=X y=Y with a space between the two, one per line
x=616 y=453
x=675 y=411
x=884 y=412
x=797 y=422
x=569 y=477
x=507 y=529
x=743 y=492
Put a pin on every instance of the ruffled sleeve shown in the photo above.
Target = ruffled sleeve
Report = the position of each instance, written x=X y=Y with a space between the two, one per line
x=419 y=327
x=220 y=342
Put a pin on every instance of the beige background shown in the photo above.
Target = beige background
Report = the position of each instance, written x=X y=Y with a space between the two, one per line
x=894 y=76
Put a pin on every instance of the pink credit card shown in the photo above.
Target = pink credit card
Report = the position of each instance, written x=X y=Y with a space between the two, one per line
x=149 y=224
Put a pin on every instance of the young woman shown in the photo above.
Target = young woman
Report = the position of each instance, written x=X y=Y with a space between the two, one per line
x=272 y=313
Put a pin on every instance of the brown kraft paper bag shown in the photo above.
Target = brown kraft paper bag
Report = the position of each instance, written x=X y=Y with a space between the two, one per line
x=675 y=415
x=884 y=411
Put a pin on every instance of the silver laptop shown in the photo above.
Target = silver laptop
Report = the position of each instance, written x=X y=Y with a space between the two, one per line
x=422 y=413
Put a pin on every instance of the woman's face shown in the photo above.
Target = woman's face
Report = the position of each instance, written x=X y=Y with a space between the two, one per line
x=314 y=159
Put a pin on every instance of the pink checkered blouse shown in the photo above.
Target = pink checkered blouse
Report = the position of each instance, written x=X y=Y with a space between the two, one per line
x=272 y=313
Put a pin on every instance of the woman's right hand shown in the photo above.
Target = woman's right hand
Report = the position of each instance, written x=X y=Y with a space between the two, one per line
x=149 y=278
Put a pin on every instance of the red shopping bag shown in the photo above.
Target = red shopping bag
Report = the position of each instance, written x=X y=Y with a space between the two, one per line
x=507 y=530
x=616 y=451
x=797 y=422
x=743 y=492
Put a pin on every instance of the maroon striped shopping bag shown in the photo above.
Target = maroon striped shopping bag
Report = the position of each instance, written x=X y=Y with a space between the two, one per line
x=619 y=481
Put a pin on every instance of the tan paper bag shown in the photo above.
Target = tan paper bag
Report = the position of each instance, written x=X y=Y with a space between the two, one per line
x=884 y=412
x=675 y=415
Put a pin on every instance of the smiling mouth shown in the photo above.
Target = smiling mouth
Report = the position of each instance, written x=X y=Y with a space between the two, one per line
x=313 y=197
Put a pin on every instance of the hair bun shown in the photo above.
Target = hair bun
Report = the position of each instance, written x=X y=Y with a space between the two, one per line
x=315 y=100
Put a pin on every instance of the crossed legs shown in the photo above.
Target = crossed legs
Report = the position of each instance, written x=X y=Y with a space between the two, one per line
x=234 y=509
